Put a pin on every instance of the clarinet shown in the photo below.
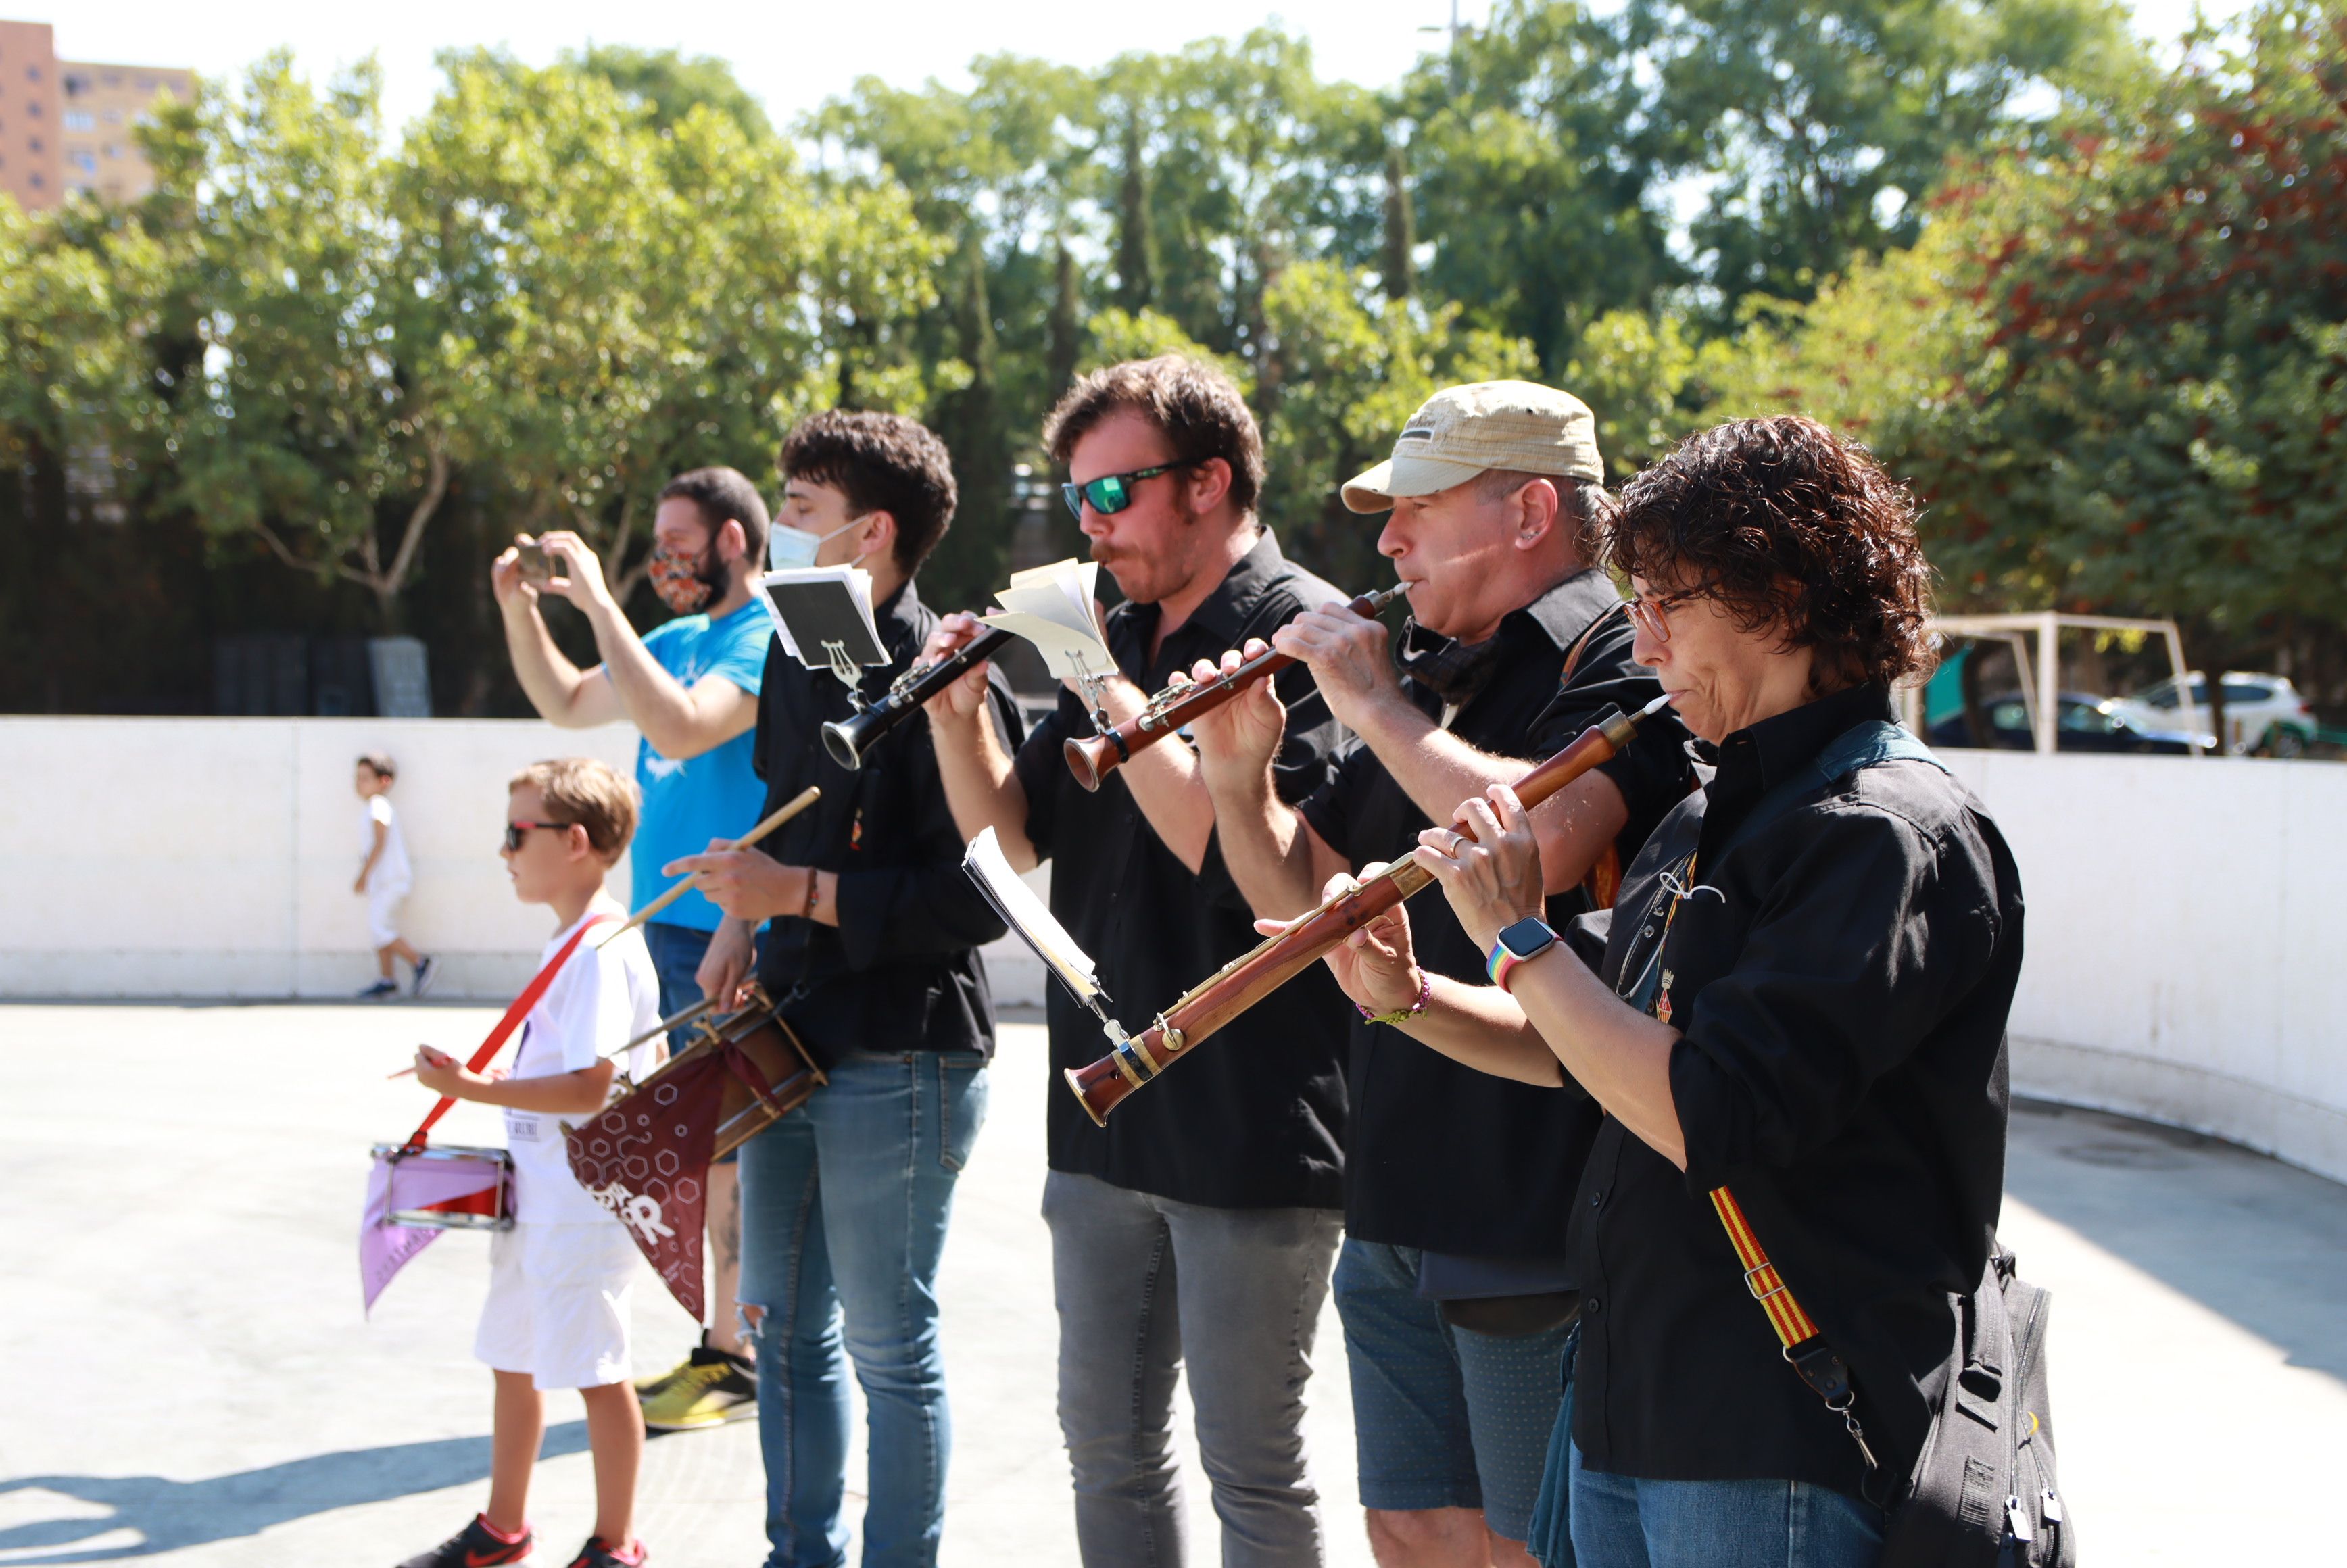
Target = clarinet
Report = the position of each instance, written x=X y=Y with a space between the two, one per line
x=849 y=739
x=1092 y=758
x=1255 y=975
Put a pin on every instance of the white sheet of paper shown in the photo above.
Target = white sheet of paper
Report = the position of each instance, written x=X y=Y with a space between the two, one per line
x=1028 y=916
x=1052 y=607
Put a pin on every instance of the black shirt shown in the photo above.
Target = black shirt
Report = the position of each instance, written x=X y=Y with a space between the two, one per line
x=899 y=971
x=1256 y=1118
x=1442 y=1156
x=1842 y=1071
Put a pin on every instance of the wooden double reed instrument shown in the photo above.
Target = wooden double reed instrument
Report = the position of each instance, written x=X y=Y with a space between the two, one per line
x=1093 y=758
x=1252 y=977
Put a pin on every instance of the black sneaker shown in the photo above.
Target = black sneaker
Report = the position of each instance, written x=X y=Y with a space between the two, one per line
x=598 y=1554
x=380 y=989
x=475 y=1546
x=426 y=971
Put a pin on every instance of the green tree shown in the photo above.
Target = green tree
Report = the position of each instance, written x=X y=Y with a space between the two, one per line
x=1822 y=124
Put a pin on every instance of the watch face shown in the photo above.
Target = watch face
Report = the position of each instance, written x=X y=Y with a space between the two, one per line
x=1527 y=937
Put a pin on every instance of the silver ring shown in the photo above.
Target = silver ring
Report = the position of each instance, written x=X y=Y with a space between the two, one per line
x=1457 y=838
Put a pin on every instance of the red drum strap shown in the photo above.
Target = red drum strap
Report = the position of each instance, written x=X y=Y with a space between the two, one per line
x=507 y=1025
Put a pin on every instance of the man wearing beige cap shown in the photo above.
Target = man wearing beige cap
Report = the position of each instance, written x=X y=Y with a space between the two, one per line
x=1452 y=1283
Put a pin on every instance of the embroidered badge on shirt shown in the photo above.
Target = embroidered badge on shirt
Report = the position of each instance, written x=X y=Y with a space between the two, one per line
x=1663 y=1003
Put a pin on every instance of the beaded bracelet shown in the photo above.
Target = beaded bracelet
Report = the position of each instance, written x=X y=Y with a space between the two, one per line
x=1425 y=995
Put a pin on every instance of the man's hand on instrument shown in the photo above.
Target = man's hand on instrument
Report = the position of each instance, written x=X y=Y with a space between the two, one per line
x=1243 y=734
x=726 y=965
x=579 y=577
x=747 y=884
x=1492 y=880
x=1348 y=656
x=964 y=698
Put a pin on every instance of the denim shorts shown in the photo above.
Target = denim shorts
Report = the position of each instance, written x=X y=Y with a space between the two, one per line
x=1443 y=1416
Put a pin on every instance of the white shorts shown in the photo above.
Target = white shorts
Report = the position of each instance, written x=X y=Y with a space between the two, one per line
x=559 y=1303
x=383 y=913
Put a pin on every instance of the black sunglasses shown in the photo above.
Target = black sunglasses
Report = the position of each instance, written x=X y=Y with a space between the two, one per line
x=1112 y=493
x=515 y=832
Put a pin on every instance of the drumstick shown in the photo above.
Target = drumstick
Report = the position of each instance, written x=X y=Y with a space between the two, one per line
x=804 y=798
x=678 y=1021
x=791 y=808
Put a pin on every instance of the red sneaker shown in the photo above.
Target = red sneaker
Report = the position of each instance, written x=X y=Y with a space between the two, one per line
x=475 y=1546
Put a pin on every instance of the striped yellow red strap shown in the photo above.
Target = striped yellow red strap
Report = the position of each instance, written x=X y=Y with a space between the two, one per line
x=1785 y=1314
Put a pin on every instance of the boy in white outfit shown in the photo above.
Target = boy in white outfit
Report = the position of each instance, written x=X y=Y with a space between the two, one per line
x=384 y=878
x=560 y=1280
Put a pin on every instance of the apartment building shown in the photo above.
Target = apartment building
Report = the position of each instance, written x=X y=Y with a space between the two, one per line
x=65 y=125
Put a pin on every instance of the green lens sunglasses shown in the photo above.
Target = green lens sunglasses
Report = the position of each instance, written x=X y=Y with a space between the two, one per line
x=1112 y=493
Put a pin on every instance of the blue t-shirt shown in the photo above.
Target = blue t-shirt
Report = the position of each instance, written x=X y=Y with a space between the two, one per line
x=716 y=795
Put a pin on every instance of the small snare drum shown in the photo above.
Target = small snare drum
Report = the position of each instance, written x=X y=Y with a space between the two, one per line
x=449 y=1187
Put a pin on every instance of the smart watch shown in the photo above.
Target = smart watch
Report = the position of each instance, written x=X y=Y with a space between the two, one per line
x=1526 y=939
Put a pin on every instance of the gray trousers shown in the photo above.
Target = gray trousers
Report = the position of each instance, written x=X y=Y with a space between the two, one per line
x=1145 y=1285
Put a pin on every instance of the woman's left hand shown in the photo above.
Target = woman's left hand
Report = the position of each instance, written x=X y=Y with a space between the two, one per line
x=1493 y=880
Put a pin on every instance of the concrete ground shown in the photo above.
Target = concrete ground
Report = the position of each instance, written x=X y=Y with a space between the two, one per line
x=192 y=1382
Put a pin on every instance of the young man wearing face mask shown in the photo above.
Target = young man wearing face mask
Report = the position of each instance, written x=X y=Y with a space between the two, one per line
x=871 y=958
x=690 y=687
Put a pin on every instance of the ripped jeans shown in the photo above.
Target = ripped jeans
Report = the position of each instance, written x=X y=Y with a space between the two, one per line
x=844 y=1211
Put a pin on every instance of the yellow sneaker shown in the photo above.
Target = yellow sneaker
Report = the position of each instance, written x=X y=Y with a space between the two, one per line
x=708 y=1389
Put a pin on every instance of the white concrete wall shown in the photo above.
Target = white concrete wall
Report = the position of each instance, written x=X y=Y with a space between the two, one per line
x=2187 y=936
x=2186 y=940
x=213 y=857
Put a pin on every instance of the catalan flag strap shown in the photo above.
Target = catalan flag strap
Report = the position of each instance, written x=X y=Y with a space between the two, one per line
x=1767 y=1287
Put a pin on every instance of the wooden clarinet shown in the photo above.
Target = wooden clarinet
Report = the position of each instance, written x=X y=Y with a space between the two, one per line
x=1255 y=975
x=1093 y=758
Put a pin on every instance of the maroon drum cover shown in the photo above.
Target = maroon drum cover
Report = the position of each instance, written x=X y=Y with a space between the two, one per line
x=646 y=1159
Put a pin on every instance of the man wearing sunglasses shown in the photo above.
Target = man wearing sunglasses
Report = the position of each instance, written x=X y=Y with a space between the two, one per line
x=1451 y=1285
x=1193 y=1234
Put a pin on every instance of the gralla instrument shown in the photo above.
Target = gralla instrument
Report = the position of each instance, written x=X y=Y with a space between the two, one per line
x=1094 y=757
x=1245 y=980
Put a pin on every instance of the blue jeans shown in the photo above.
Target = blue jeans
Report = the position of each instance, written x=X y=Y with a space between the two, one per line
x=1623 y=1521
x=1443 y=1416
x=844 y=1211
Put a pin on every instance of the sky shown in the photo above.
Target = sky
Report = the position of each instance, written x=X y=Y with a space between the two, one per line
x=792 y=56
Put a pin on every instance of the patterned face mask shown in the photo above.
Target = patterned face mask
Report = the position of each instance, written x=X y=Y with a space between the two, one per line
x=684 y=583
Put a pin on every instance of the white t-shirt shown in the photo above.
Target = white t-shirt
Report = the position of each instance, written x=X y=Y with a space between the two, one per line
x=390 y=871
x=599 y=1000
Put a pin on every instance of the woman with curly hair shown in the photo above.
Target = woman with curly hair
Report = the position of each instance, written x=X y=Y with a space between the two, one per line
x=1794 y=1019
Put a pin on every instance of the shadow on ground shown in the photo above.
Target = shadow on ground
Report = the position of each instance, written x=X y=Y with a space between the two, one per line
x=172 y=1514
x=2260 y=1242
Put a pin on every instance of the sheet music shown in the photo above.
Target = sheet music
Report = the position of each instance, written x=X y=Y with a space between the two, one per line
x=1053 y=608
x=813 y=606
x=1026 y=914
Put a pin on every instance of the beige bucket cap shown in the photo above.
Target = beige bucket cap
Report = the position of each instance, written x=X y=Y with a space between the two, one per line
x=1463 y=431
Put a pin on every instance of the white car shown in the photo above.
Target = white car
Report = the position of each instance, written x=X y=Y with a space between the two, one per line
x=2262 y=712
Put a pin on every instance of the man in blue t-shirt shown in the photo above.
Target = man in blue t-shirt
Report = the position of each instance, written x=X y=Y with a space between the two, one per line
x=692 y=687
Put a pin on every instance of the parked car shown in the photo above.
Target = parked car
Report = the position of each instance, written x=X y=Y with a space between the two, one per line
x=2082 y=722
x=2264 y=712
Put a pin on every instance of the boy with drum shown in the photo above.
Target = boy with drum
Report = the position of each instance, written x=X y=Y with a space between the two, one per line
x=560 y=1280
